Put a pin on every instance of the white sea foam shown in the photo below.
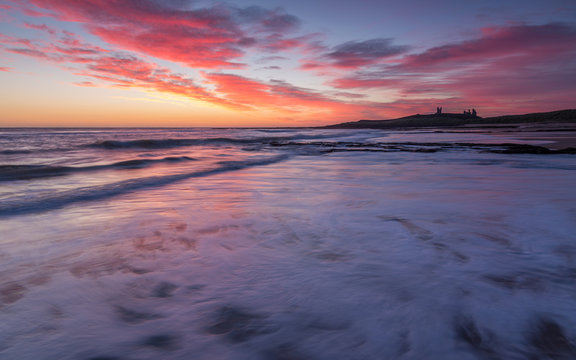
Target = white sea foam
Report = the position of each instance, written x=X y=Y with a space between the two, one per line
x=450 y=255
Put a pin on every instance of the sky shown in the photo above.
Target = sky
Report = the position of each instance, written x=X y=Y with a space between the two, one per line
x=275 y=63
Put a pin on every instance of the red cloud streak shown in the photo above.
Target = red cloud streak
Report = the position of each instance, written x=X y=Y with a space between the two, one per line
x=232 y=91
x=284 y=97
x=508 y=68
x=208 y=37
x=355 y=54
x=535 y=41
x=527 y=67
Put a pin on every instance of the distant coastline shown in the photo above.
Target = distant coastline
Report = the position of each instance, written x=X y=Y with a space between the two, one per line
x=565 y=120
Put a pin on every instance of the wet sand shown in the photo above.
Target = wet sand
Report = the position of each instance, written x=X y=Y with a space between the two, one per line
x=288 y=244
x=554 y=136
x=556 y=140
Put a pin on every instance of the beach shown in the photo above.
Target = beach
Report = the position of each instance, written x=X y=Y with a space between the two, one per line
x=554 y=140
x=285 y=244
x=554 y=136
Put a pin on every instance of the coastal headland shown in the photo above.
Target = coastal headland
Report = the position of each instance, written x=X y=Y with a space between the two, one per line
x=441 y=120
x=558 y=127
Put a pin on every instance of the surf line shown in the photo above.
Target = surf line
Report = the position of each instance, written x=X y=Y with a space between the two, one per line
x=22 y=204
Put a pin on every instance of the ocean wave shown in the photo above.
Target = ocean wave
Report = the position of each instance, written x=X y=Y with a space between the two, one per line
x=13 y=152
x=498 y=148
x=173 y=143
x=145 y=143
x=166 y=143
x=28 y=172
x=18 y=205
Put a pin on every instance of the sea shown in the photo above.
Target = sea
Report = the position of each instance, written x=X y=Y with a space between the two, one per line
x=284 y=244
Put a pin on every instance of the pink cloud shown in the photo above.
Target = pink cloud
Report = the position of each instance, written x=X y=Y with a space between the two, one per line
x=368 y=82
x=204 y=37
x=240 y=89
x=113 y=68
x=514 y=41
x=274 y=94
x=41 y=27
x=267 y=59
x=272 y=67
x=360 y=53
x=286 y=98
x=356 y=54
x=280 y=43
x=13 y=40
x=85 y=84
x=36 y=13
x=507 y=46
x=236 y=92
x=5 y=68
x=32 y=52
x=516 y=67
x=522 y=66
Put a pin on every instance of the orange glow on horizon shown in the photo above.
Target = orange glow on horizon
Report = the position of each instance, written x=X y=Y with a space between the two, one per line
x=148 y=63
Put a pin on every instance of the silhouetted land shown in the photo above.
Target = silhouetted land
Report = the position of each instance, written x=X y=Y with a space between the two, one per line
x=463 y=120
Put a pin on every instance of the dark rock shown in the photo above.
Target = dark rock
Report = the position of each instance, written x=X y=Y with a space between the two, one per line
x=163 y=342
x=196 y=287
x=523 y=149
x=164 y=289
x=12 y=292
x=508 y=282
x=134 y=317
x=230 y=319
x=329 y=324
x=516 y=281
x=284 y=352
x=405 y=344
x=531 y=149
x=461 y=257
x=239 y=326
x=425 y=150
x=467 y=331
x=139 y=271
x=431 y=147
x=332 y=256
x=569 y=150
x=550 y=341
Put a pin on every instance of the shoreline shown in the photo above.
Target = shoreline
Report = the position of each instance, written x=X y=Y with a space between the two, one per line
x=556 y=140
x=558 y=135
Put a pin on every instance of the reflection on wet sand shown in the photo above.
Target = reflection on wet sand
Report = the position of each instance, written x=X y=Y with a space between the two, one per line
x=333 y=258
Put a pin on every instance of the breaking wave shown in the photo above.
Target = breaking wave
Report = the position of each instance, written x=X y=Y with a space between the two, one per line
x=18 y=205
x=28 y=172
x=173 y=143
